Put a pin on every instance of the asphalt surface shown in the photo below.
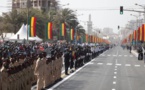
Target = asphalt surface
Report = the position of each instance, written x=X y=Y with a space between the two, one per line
x=115 y=69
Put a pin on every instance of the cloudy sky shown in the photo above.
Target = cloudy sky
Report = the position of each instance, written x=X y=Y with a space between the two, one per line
x=102 y=16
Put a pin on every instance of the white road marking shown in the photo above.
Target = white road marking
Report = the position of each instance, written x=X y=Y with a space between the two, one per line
x=115 y=69
x=137 y=65
x=114 y=77
x=125 y=55
x=115 y=72
x=114 y=82
x=100 y=63
x=113 y=89
x=118 y=64
x=109 y=64
x=127 y=65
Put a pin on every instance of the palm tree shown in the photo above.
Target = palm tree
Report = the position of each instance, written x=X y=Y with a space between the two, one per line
x=14 y=19
x=63 y=16
x=80 y=30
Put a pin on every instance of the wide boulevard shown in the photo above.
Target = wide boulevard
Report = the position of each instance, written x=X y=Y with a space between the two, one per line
x=115 y=69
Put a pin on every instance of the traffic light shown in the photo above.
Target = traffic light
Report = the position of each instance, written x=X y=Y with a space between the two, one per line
x=121 y=10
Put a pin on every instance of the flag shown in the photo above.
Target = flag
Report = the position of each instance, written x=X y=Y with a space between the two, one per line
x=32 y=29
x=94 y=39
x=91 y=37
x=131 y=37
x=72 y=34
x=97 y=39
x=143 y=32
x=140 y=28
x=86 y=37
x=78 y=37
x=49 y=30
x=134 y=35
x=63 y=29
x=138 y=34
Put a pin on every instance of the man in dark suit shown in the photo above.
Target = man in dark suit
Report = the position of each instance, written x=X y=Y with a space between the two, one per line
x=66 y=60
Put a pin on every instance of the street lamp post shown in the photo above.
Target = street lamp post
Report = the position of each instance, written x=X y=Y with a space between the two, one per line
x=137 y=22
x=137 y=25
x=143 y=8
x=27 y=23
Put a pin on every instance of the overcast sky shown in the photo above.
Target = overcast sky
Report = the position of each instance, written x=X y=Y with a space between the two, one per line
x=97 y=8
x=4 y=6
x=104 y=18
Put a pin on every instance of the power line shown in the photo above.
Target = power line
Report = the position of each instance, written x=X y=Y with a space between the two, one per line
x=105 y=9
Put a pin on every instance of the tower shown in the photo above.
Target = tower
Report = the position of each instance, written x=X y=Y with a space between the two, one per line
x=89 y=25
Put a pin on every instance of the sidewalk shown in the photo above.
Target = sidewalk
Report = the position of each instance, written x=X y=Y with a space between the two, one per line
x=134 y=52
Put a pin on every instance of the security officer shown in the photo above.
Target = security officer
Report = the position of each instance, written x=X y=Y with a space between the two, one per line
x=71 y=60
x=66 y=60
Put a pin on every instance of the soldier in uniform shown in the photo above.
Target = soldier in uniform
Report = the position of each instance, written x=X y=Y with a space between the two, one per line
x=4 y=75
x=0 y=74
x=40 y=71
x=60 y=64
x=48 y=72
x=45 y=70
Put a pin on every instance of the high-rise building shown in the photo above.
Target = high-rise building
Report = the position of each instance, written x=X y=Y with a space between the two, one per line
x=89 y=25
x=39 y=4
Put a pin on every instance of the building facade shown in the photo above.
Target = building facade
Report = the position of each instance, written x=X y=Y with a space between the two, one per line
x=44 y=5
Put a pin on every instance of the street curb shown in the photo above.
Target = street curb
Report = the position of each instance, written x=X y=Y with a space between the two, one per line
x=134 y=53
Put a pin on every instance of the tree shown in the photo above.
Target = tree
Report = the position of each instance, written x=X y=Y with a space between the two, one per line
x=12 y=21
x=13 y=18
x=80 y=30
x=63 y=16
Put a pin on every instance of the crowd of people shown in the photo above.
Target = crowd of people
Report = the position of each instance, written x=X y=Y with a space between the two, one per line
x=25 y=64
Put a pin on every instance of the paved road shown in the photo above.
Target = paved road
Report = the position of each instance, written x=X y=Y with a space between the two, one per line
x=115 y=69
